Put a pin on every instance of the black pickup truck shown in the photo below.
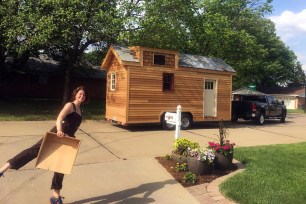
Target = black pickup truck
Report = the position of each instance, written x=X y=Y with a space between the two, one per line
x=258 y=108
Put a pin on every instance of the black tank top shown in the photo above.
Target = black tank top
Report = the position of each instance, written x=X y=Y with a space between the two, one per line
x=71 y=123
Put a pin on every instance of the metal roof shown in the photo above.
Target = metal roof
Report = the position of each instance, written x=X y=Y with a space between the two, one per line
x=201 y=62
x=125 y=54
x=185 y=60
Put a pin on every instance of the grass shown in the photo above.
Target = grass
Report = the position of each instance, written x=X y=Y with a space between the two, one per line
x=295 y=111
x=274 y=174
x=26 y=109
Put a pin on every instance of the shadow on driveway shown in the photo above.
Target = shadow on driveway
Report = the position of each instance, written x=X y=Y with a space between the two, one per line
x=126 y=196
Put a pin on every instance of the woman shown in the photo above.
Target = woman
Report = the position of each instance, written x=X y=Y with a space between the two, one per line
x=67 y=123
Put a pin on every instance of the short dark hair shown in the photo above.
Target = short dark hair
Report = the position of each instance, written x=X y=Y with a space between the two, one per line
x=76 y=90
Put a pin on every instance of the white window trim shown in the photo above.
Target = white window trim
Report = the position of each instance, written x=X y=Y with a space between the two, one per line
x=113 y=82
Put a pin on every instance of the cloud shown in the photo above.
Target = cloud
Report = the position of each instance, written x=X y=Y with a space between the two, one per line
x=290 y=25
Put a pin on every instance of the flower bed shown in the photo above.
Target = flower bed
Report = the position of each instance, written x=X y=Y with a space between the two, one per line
x=203 y=164
x=170 y=164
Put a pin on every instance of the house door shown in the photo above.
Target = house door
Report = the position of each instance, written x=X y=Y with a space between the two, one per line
x=210 y=99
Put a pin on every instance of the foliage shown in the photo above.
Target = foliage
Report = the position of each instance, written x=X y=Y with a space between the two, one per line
x=234 y=31
x=167 y=157
x=224 y=146
x=274 y=174
x=202 y=154
x=181 y=167
x=95 y=57
x=63 y=29
x=181 y=146
x=189 y=177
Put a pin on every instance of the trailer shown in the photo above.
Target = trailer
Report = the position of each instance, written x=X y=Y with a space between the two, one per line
x=145 y=83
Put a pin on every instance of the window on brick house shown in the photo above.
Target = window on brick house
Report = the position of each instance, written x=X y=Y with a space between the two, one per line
x=168 y=81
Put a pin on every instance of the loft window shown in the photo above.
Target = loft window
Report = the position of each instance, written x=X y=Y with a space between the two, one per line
x=113 y=81
x=159 y=59
x=168 y=82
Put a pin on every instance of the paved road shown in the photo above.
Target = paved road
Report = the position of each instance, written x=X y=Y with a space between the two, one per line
x=117 y=165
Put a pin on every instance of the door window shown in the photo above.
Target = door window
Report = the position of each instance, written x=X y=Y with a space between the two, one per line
x=209 y=85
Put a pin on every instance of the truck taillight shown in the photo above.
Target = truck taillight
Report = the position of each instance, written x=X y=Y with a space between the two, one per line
x=253 y=107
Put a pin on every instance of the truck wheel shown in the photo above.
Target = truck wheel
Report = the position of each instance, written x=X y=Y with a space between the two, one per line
x=260 y=119
x=168 y=126
x=186 y=122
x=234 y=119
x=283 y=118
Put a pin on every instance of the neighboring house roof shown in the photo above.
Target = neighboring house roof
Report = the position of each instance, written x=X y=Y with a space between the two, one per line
x=246 y=91
x=291 y=91
x=185 y=60
x=44 y=65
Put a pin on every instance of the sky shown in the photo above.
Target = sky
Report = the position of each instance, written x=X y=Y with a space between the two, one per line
x=289 y=17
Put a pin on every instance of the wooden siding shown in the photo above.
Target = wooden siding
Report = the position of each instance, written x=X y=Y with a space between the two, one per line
x=148 y=59
x=116 y=99
x=147 y=101
x=139 y=96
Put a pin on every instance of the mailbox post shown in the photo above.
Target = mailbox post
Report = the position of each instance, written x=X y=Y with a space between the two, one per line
x=175 y=119
x=178 y=121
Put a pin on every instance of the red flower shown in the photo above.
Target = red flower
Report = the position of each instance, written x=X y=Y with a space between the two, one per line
x=226 y=147
x=212 y=144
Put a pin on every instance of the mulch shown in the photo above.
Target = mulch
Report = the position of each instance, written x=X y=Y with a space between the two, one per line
x=178 y=176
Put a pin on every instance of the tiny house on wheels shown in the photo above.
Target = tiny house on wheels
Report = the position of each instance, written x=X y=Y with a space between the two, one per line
x=145 y=83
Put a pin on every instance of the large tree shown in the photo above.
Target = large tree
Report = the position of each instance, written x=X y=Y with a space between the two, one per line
x=23 y=31
x=62 y=28
x=79 y=24
x=234 y=30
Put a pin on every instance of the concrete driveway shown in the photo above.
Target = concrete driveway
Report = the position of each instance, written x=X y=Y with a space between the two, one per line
x=116 y=164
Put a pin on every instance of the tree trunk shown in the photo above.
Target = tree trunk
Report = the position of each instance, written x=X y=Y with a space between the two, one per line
x=2 y=64
x=67 y=83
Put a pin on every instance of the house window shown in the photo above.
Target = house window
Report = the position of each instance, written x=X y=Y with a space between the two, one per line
x=37 y=79
x=34 y=79
x=209 y=85
x=43 y=80
x=168 y=82
x=159 y=59
x=113 y=81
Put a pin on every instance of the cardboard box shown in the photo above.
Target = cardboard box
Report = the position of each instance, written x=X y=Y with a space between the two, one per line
x=57 y=154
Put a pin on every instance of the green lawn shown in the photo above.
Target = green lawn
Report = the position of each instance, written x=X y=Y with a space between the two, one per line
x=295 y=111
x=274 y=174
x=44 y=109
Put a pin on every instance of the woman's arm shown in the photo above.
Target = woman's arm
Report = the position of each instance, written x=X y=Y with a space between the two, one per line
x=65 y=111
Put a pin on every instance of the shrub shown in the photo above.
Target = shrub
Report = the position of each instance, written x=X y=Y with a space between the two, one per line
x=189 y=177
x=181 y=146
x=181 y=167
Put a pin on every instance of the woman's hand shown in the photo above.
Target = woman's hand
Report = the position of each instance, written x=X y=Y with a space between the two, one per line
x=60 y=134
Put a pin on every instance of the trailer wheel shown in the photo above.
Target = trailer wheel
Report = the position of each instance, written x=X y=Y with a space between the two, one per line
x=234 y=119
x=168 y=126
x=260 y=119
x=186 y=121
